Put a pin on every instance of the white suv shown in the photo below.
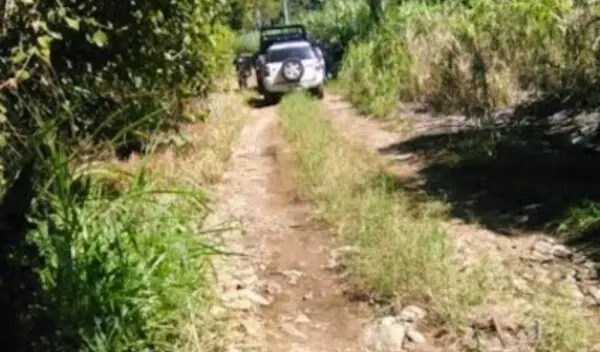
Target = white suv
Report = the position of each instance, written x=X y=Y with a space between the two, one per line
x=289 y=66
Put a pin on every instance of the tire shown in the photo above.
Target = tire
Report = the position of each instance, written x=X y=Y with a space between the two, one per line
x=272 y=98
x=318 y=92
x=292 y=70
x=260 y=87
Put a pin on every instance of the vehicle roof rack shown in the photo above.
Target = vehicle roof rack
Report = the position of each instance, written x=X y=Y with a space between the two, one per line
x=282 y=33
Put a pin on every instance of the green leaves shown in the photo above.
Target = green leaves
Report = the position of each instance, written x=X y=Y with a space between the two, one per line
x=73 y=23
x=99 y=38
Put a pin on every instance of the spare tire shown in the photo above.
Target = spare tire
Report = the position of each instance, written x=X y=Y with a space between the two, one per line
x=292 y=70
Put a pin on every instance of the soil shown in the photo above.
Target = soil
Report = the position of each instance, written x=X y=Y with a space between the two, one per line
x=304 y=307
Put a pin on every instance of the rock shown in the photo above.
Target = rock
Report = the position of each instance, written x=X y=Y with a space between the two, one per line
x=239 y=304
x=578 y=258
x=561 y=251
x=595 y=293
x=218 y=311
x=412 y=314
x=415 y=336
x=557 y=275
x=243 y=299
x=332 y=263
x=403 y=157
x=302 y=319
x=585 y=274
x=576 y=293
x=543 y=247
x=252 y=327
x=292 y=275
x=385 y=335
x=521 y=285
x=290 y=329
x=256 y=298
x=347 y=250
x=272 y=288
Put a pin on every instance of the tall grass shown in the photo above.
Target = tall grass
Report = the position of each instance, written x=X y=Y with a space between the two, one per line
x=123 y=270
x=474 y=58
x=402 y=251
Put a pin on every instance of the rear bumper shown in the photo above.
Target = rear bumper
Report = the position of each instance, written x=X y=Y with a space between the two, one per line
x=283 y=87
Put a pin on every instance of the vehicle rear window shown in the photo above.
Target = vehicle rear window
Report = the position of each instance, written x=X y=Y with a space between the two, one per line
x=300 y=53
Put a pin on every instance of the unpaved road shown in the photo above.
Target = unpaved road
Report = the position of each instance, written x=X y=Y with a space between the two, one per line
x=302 y=303
x=282 y=295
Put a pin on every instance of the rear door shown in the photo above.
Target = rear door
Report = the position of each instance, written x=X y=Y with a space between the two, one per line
x=305 y=54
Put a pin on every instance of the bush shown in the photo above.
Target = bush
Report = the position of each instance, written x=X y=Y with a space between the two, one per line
x=247 y=42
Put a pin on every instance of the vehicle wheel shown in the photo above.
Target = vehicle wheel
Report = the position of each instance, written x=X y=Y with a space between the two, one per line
x=292 y=70
x=318 y=92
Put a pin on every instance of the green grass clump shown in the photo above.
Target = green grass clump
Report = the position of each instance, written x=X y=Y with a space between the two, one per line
x=124 y=272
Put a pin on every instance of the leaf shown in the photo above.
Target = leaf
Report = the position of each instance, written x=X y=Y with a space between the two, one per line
x=44 y=41
x=19 y=57
x=72 y=23
x=100 y=39
x=22 y=75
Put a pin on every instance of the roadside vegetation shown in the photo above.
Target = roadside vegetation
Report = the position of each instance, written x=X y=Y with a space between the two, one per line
x=400 y=251
x=534 y=61
x=465 y=56
x=99 y=254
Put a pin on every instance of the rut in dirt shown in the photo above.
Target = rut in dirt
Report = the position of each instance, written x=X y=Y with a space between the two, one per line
x=302 y=303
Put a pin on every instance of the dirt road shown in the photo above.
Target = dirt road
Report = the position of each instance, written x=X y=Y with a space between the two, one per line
x=302 y=303
x=282 y=295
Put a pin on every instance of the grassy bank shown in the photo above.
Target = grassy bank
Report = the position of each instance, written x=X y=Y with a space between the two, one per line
x=402 y=251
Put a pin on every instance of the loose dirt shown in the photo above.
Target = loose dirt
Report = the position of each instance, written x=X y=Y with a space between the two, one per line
x=280 y=291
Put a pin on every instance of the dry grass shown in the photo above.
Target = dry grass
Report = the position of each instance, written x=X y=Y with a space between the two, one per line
x=403 y=252
x=206 y=150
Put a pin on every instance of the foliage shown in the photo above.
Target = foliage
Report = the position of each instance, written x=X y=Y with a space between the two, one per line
x=119 y=271
x=109 y=58
x=338 y=21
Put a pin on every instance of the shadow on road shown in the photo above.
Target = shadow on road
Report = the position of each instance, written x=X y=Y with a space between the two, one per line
x=259 y=102
x=519 y=177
